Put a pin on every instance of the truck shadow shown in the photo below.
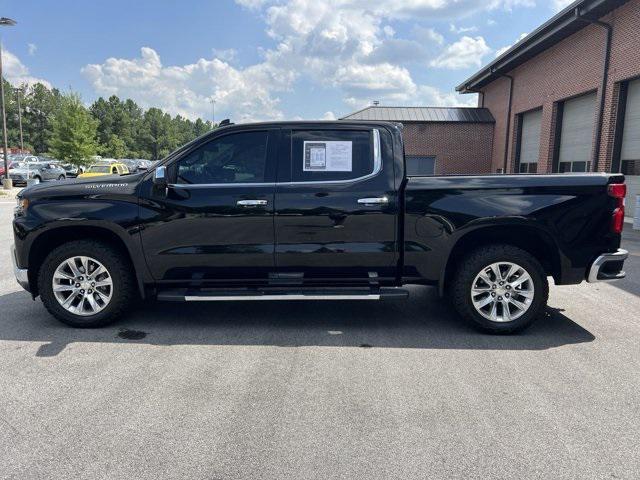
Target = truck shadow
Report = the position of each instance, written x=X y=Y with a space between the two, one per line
x=423 y=322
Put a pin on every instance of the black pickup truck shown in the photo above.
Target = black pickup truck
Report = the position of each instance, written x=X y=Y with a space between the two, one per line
x=313 y=211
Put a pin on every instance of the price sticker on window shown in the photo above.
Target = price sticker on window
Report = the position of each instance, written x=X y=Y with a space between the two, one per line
x=328 y=156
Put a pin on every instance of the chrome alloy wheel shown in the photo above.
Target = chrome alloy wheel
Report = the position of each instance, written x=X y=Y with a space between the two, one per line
x=502 y=292
x=82 y=286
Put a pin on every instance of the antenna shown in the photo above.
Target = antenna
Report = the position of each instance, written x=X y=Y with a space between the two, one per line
x=376 y=103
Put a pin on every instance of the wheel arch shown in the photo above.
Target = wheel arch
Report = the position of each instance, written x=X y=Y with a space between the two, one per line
x=52 y=238
x=534 y=240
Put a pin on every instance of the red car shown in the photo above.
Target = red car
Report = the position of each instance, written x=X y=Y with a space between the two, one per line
x=2 y=167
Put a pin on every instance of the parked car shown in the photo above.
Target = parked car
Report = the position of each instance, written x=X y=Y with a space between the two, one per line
x=71 y=170
x=22 y=157
x=20 y=172
x=110 y=168
x=15 y=158
x=314 y=211
x=135 y=164
x=11 y=162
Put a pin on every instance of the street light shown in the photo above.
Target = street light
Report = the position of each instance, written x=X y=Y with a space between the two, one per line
x=4 y=22
x=19 y=92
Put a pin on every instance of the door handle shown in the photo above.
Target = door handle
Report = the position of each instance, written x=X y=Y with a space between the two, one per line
x=373 y=201
x=251 y=203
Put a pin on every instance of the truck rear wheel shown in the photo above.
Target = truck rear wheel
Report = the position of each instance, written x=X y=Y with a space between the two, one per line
x=500 y=288
x=86 y=284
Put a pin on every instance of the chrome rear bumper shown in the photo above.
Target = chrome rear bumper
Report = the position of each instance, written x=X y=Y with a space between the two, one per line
x=607 y=267
x=21 y=274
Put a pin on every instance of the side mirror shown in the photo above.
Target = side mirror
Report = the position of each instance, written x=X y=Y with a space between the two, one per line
x=160 y=176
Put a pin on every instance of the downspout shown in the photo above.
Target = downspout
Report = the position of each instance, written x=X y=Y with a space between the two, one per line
x=506 y=137
x=603 y=86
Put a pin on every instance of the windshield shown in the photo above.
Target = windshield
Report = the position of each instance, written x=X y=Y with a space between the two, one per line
x=100 y=169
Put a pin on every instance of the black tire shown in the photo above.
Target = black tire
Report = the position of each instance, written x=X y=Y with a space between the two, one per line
x=61 y=177
x=37 y=179
x=471 y=265
x=124 y=285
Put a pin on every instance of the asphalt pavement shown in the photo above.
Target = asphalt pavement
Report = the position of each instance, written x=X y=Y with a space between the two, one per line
x=322 y=390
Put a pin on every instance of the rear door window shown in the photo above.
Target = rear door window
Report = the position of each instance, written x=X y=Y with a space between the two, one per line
x=319 y=155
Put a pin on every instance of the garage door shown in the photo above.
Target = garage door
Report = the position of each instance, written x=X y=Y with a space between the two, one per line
x=530 y=142
x=576 y=136
x=630 y=151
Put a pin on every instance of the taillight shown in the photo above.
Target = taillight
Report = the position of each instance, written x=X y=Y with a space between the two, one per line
x=617 y=191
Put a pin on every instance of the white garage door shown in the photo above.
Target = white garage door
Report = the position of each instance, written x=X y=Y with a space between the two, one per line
x=576 y=136
x=630 y=151
x=530 y=142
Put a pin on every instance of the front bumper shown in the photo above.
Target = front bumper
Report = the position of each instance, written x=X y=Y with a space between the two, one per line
x=21 y=274
x=607 y=267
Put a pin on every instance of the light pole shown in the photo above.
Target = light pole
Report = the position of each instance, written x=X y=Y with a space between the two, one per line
x=20 y=119
x=6 y=183
x=213 y=112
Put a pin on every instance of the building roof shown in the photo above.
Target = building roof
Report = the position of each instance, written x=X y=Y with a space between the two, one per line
x=423 y=114
x=567 y=22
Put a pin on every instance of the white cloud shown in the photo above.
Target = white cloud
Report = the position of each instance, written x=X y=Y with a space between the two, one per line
x=346 y=45
x=17 y=72
x=502 y=50
x=459 y=30
x=32 y=47
x=228 y=54
x=465 y=53
x=187 y=89
x=433 y=97
x=328 y=116
x=558 y=5
x=252 y=4
x=428 y=35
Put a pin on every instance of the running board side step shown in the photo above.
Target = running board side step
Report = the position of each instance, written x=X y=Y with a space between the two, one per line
x=187 y=295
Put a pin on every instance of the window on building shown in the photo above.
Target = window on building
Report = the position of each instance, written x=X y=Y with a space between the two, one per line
x=420 y=166
x=329 y=155
x=234 y=158
x=529 y=141
x=576 y=134
x=630 y=148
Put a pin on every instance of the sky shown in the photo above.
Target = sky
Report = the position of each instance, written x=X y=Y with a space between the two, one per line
x=264 y=59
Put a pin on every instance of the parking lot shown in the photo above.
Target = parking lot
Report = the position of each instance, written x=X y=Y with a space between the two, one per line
x=322 y=389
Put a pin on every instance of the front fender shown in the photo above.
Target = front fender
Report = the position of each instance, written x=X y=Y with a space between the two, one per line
x=50 y=223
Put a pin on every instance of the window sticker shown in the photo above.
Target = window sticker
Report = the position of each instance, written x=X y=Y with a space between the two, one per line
x=328 y=156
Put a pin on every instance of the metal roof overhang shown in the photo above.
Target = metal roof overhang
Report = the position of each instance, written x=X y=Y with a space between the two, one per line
x=564 y=24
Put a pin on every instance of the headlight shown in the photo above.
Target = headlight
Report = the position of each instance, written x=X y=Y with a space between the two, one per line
x=21 y=207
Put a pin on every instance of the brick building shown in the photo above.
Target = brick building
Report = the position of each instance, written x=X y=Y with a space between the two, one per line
x=440 y=140
x=567 y=97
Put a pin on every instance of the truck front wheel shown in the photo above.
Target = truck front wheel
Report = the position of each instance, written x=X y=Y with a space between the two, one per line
x=86 y=283
x=500 y=288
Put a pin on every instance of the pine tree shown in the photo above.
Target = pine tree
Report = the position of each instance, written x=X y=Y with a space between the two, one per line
x=74 y=132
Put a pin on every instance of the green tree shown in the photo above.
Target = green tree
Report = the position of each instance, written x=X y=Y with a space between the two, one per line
x=200 y=127
x=74 y=132
x=114 y=148
x=118 y=118
x=144 y=134
x=39 y=106
x=157 y=136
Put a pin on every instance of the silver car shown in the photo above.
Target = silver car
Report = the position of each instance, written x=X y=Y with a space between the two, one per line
x=38 y=171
